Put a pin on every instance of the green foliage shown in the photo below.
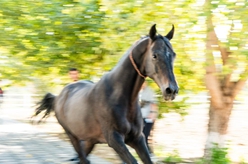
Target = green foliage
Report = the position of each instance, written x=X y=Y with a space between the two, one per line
x=231 y=29
x=242 y=161
x=173 y=158
x=219 y=156
x=44 y=38
x=179 y=106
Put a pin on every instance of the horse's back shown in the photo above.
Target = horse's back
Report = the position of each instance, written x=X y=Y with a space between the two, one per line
x=77 y=86
x=71 y=90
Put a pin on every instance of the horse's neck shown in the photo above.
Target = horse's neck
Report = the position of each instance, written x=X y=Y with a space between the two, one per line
x=126 y=80
x=124 y=77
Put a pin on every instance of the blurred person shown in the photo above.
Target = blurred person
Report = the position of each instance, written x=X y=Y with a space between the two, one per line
x=1 y=96
x=149 y=110
x=74 y=74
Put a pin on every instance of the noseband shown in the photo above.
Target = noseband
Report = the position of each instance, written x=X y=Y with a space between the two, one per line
x=135 y=66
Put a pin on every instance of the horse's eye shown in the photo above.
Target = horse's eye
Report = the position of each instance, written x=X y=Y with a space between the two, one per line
x=154 y=56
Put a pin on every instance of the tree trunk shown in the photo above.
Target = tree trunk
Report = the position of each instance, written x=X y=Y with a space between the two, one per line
x=218 y=124
x=222 y=90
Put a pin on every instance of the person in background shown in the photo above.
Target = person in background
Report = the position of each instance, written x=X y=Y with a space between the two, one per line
x=1 y=95
x=149 y=110
x=74 y=74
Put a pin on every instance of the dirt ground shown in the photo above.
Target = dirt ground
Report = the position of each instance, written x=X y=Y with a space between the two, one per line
x=186 y=134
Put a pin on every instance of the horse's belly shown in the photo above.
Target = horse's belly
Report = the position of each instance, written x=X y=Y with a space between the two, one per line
x=83 y=124
x=86 y=131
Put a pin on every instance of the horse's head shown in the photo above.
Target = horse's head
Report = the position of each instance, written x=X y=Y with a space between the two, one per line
x=159 y=63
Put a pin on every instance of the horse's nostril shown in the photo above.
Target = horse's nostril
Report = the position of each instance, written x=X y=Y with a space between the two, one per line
x=168 y=91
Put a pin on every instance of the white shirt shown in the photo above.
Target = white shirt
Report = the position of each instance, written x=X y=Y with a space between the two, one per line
x=148 y=96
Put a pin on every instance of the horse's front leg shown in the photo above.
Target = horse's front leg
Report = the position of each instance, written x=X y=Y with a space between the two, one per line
x=116 y=141
x=139 y=144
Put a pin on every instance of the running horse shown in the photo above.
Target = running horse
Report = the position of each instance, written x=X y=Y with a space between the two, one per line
x=108 y=111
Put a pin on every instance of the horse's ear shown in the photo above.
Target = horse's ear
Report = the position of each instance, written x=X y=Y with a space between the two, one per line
x=171 y=33
x=153 y=32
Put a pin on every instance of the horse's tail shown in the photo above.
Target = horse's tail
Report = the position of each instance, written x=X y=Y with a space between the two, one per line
x=46 y=105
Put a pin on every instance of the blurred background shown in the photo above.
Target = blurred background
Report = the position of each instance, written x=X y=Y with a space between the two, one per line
x=41 y=40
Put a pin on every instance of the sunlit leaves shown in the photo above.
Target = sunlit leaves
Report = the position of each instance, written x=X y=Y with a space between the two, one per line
x=57 y=33
x=231 y=28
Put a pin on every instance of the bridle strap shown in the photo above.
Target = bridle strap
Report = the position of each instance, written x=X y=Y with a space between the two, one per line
x=135 y=66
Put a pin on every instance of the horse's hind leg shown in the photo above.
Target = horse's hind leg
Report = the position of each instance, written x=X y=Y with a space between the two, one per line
x=140 y=147
x=116 y=141
x=78 y=147
x=87 y=146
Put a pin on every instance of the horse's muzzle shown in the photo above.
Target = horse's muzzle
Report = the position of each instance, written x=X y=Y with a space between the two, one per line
x=170 y=93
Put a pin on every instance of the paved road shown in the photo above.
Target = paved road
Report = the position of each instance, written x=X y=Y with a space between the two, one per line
x=21 y=143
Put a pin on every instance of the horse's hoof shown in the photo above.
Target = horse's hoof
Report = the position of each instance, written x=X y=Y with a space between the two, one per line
x=75 y=159
x=88 y=162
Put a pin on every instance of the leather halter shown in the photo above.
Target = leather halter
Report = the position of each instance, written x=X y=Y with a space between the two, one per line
x=135 y=66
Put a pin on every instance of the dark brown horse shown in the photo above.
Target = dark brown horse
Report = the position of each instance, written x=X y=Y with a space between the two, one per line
x=108 y=111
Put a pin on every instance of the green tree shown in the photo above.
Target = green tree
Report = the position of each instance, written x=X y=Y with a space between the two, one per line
x=45 y=38
x=226 y=63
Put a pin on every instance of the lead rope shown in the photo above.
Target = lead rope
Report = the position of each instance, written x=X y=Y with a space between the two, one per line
x=135 y=66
